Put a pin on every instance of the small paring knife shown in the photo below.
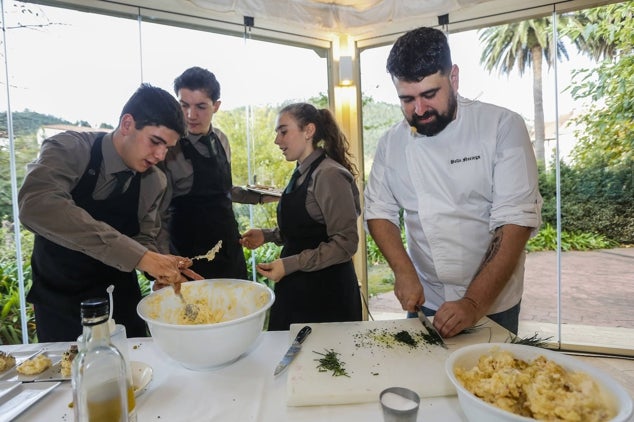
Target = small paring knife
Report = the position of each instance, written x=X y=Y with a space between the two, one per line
x=430 y=327
x=293 y=350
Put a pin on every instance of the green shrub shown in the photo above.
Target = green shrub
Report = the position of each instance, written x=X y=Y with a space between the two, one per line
x=546 y=240
x=380 y=279
x=596 y=200
x=265 y=253
x=10 y=318
x=374 y=254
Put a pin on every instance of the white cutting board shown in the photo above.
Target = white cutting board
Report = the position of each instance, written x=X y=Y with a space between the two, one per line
x=373 y=363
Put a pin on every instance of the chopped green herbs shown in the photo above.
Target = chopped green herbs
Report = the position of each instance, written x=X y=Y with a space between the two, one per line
x=431 y=339
x=391 y=338
x=405 y=337
x=330 y=362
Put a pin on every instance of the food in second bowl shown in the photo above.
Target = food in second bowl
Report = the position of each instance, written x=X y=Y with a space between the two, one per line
x=541 y=389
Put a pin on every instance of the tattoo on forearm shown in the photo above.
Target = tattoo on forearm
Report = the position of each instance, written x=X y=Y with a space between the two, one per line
x=493 y=249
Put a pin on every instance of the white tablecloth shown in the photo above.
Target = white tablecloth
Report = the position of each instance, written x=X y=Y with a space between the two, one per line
x=245 y=390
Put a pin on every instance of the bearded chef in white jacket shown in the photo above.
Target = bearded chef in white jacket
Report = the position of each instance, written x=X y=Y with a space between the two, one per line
x=465 y=175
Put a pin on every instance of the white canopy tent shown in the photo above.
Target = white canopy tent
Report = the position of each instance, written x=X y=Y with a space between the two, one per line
x=311 y=22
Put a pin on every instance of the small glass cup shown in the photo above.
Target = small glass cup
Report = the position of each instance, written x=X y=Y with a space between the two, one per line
x=399 y=404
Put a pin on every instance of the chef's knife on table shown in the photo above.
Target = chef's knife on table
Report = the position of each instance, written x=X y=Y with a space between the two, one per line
x=293 y=350
x=430 y=327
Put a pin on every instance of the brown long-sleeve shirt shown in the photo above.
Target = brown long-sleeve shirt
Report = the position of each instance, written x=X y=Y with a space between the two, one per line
x=47 y=207
x=333 y=200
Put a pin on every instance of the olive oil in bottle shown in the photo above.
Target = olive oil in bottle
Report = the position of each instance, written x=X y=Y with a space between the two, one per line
x=99 y=376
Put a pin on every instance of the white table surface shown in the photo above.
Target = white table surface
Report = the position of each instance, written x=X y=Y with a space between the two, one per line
x=245 y=390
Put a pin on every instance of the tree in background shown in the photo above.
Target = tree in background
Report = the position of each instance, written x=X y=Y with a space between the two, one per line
x=606 y=134
x=265 y=161
x=523 y=45
x=527 y=44
x=378 y=117
x=25 y=126
x=603 y=158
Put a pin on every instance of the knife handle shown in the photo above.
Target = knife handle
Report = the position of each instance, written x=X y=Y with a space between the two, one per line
x=302 y=334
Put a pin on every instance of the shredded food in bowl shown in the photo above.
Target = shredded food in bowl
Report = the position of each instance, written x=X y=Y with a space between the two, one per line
x=541 y=389
x=205 y=314
x=225 y=303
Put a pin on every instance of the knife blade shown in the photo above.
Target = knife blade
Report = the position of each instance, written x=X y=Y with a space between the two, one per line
x=293 y=350
x=430 y=327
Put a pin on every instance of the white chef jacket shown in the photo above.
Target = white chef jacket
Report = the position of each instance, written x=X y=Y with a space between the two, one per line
x=456 y=188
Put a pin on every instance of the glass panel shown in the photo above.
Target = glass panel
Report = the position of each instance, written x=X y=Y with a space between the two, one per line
x=73 y=55
x=596 y=195
x=519 y=89
x=597 y=192
x=380 y=110
x=65 y=68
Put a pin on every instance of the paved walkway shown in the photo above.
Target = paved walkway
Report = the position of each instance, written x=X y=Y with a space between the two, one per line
x=597 y=288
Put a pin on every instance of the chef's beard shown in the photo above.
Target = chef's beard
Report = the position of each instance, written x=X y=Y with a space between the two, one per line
x=438 y=124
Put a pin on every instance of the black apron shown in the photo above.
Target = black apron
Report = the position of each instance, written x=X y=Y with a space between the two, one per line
x=205 y=215
x=63 y=278
x=327 y=295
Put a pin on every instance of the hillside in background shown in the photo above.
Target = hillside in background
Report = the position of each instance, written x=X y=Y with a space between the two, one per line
x=28 y=122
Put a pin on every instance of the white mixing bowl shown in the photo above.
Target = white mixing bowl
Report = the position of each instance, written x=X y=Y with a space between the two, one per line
x=243 y=305
x=477 y=410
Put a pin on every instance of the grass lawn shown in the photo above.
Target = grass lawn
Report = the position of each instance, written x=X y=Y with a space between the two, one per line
x=380 y=279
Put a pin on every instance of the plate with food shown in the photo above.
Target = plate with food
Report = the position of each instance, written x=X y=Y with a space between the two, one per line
x=38 y=366
x=265 y=190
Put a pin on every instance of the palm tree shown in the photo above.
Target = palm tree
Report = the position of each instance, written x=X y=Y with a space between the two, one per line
x=521 y=45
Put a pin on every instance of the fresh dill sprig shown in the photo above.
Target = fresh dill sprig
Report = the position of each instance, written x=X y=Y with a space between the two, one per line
x=330 y=362
x=534 y=340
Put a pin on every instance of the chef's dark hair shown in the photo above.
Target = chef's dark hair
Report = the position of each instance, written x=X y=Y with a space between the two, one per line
x=419 y=53
x=153 y=106
x=197 y=78
x=328 y=135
